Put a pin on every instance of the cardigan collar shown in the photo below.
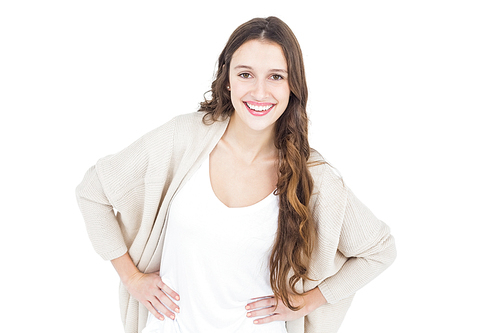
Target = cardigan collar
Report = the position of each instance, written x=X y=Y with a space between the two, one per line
x=151 y=260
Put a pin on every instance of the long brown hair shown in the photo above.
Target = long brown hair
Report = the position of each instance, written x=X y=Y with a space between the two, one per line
x=296 y=232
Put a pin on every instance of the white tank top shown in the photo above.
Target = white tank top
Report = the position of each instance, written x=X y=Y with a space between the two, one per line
x=216 y=258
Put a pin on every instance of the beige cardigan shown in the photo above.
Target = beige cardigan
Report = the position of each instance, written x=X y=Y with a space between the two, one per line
x=139 y=182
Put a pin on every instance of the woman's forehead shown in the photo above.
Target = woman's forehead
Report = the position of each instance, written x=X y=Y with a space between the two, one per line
x=256 y=54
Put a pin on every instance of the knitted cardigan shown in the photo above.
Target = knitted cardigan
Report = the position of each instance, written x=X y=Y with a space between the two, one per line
x=125 y=200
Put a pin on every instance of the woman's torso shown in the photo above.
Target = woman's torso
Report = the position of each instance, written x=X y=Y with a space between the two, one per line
x=216 y=259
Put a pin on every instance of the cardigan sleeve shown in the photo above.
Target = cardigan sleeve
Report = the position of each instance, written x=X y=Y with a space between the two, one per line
x=100 y=220
x=367 y=243
x=113 y=194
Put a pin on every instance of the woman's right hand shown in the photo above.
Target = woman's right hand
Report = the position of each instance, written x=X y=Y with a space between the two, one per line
x=150 y=290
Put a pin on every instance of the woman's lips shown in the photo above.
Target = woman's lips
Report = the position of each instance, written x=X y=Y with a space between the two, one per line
x=259 y=109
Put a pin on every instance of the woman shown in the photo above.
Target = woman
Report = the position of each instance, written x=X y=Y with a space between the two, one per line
x=249 y=227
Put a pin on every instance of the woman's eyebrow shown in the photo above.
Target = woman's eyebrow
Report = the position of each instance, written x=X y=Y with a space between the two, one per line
x=279 y=70
x=243 y=67
x=271 y=70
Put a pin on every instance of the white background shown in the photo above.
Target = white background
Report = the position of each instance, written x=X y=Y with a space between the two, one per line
x=404 y=101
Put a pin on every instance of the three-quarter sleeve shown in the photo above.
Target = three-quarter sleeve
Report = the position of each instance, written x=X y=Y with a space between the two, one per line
x=102 y=225
x=120 y=196
x=367 y=244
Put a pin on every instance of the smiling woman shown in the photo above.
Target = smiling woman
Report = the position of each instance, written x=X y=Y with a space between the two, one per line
x=227 y=221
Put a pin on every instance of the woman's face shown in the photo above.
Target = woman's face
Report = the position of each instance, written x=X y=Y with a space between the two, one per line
x=258 y=79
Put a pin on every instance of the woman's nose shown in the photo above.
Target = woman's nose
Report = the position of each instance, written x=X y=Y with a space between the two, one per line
x=260 y=90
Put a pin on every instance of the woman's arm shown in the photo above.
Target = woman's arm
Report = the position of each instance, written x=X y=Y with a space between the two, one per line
x=107 y=239
x=364 y=240
x=369 y=246
x=100 y=220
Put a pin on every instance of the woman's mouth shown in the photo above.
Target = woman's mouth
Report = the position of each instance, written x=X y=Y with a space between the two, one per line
x=259 y=109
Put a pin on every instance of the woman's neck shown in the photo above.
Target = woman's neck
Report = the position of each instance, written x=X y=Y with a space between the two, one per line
x=250 y=145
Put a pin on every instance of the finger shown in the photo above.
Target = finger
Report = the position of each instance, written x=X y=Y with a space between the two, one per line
x=153 y=311
x=268 y=319
x=262 y=312
x=167 y=301
x=266 y=302
x=169 y=291
x=162 y=309
x=166 y=288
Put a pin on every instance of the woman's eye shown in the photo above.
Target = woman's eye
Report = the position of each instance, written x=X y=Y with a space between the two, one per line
x=276 y=77
x=245 y=75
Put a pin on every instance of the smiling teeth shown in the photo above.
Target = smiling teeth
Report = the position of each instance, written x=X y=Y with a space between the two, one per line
x=259 y=108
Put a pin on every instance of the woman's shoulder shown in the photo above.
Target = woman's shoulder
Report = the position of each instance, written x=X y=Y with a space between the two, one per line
x=189 y=119
x=191 y=125
x=180 y=122
x=320 y=167
x=181 y=128
x=329 y=196
x=154 y=150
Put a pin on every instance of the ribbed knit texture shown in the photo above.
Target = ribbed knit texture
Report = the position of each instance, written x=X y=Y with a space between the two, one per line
x=140 y=181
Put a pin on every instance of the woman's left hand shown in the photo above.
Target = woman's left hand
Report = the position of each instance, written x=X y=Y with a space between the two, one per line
x=273 y=309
